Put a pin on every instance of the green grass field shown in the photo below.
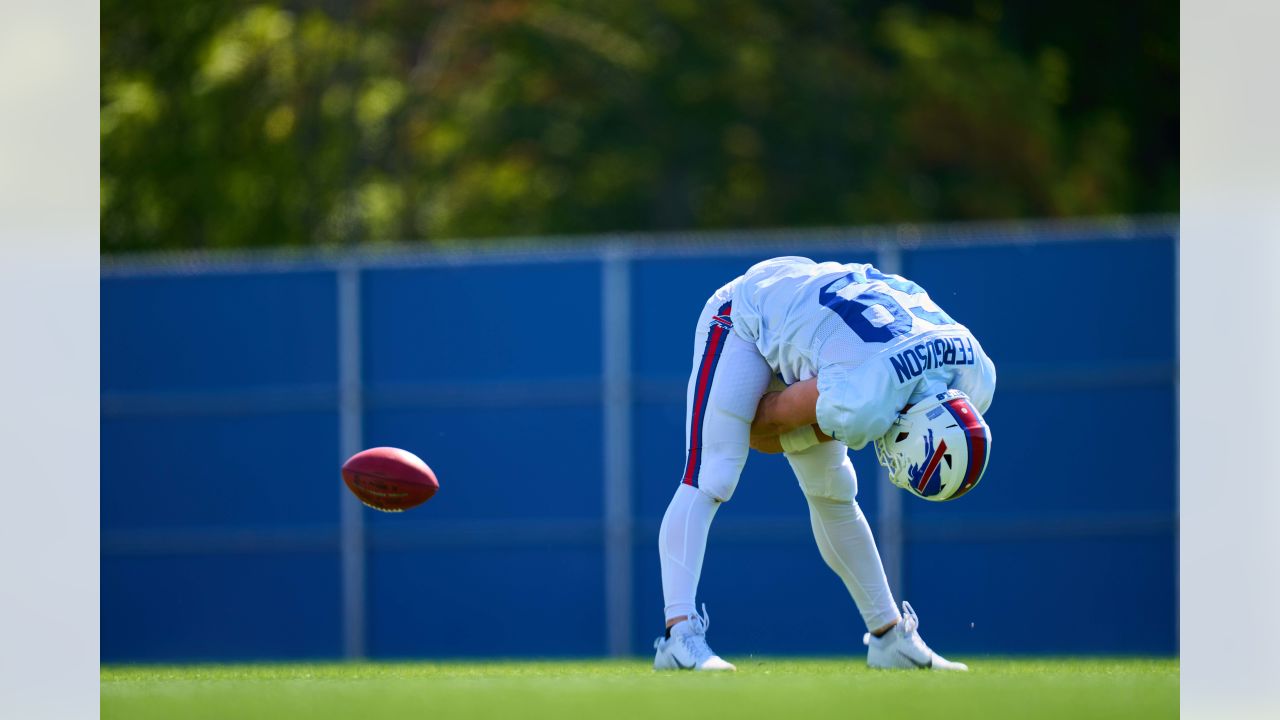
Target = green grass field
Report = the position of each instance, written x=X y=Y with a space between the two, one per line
x=771 y=688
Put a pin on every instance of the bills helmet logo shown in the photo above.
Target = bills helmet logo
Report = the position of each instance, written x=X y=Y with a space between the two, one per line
x=924 y=475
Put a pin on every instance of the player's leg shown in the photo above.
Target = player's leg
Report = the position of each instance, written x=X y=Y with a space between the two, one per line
x=725 y=385
x=718 y=443
x=844 y=538
x=728 y=378
x=841 y=530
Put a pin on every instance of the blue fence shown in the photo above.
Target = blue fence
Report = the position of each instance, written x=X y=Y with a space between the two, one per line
x=521 y=375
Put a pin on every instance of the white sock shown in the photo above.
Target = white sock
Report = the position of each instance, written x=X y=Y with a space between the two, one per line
x=682 y=543
x=845 y=541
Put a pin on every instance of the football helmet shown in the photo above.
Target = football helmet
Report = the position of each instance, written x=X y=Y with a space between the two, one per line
x=937 y=449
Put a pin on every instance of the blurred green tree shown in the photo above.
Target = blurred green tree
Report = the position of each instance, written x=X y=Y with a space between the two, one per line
x=238 y=124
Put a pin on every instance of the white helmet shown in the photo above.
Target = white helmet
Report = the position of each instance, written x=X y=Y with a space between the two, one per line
x=937 y=449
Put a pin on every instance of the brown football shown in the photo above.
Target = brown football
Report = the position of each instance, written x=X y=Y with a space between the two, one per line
x=389 y=479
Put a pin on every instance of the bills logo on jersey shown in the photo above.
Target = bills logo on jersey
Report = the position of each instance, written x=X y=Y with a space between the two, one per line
x=931 y=353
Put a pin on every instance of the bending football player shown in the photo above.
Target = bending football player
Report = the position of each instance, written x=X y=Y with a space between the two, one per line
x=811 y=359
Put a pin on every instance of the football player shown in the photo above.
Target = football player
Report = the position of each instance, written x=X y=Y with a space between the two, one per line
x=811 y=359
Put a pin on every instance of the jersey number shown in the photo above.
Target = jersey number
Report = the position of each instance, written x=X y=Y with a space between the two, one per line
x=893 y=320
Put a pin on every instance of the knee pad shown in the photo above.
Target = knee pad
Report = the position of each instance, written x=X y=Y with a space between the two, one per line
x=720 y=467
x=825 y=471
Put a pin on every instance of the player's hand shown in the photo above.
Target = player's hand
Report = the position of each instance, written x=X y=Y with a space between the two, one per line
x=780 y=412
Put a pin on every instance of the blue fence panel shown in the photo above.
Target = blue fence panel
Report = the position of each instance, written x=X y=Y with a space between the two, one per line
x=491 y=374
x=218 y=332
x=500 y=599
x=508 y=464
x=220 y=494
x=1054 y=305
x=1073 y=594
x=220 y=471
x=519 y=323
x=222 y=605
x=219 y=509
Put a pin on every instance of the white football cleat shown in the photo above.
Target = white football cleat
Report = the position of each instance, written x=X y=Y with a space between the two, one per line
x=902 y=647
x=687 y=647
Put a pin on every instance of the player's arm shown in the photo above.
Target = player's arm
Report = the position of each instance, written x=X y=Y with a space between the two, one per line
x=784 y=411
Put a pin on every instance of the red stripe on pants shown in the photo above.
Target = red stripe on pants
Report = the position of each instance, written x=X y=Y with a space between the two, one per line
x=700 y=395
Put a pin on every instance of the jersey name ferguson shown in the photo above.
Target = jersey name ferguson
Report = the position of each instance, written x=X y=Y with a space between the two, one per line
x=875 y=341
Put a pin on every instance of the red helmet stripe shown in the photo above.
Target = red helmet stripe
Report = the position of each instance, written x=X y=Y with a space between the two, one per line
x=976 y=434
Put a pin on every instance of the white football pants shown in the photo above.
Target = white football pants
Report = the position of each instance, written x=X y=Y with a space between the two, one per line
x=729 y=377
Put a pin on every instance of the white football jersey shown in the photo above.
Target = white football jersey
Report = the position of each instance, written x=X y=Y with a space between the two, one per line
x=876 y=342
